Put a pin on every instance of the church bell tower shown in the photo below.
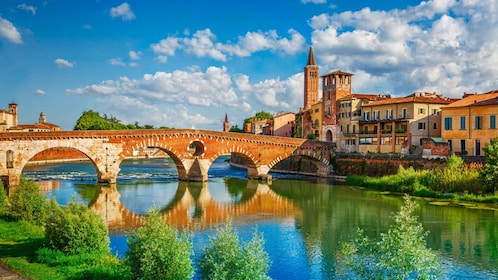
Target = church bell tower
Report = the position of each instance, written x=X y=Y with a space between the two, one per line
x=310 y=81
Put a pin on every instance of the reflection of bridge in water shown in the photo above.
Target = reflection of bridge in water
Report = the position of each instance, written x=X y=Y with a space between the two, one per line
x=193 y=207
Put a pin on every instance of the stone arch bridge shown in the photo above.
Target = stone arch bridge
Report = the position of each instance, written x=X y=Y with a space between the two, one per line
x=193 y=151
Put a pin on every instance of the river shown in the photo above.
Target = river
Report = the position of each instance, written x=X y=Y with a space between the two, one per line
x=303 y=219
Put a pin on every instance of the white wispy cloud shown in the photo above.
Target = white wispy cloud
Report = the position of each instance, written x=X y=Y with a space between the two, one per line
x=446 y=46
x=203 y=43
x=9 y=31
x=134 y=55
x=197 y=92
x=40 y=92
x=27 y=8
x=62 y=63
x=123 y=11
x=314 y=1
x=116 y=62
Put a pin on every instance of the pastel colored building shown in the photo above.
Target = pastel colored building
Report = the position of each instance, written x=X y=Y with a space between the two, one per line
x=394 y=125
x=470 y=123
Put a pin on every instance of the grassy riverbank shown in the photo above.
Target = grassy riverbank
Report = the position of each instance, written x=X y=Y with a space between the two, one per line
x=456 y=181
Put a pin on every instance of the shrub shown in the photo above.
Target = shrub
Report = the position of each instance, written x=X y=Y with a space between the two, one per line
x=155 y=251
x=489 y=174
x=4 y=205
x=401 y=253
x=28 y=204
x=226 y=258
x=75 y=229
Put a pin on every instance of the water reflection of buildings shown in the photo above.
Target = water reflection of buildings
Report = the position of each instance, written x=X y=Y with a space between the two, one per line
x=193 y=207
x=48 y=186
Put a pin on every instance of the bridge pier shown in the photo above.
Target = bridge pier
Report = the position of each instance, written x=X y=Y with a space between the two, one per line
x=197 y=170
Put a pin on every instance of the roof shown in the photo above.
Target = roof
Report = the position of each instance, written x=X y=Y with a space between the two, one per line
x=311 y=57
x=337 y=72
x=369 y=96
x=34 y=126
x=412 y=98
x=488 y=98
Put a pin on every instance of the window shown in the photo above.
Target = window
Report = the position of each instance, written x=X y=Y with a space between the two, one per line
x=354 y=128
x=389 y=113
x=434 y=111
x=450 y=145
x=421 y=111
x=376 y=115
x=421 y=126
x=492 y=122
x=10 y=159
x=434 y=126
x=462 y=145
x=404 y=113
x=478 y=122
x=448 y=124
x=317 y=110
x=366 y=116
x=463 y=123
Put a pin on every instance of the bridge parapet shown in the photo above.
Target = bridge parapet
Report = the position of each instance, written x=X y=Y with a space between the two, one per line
x=193 y=151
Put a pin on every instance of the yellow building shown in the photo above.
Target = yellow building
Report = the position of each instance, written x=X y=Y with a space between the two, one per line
x=8 y=118
x=348 y=116
x=470 y=123
x=282 y=124
x=393 y=125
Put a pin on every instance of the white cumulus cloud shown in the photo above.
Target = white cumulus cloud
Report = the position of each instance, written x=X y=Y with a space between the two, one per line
x=9 y=31
x=62 y=63
x=123 y=11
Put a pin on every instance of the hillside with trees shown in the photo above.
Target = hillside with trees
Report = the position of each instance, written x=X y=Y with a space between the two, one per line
x=92 y=120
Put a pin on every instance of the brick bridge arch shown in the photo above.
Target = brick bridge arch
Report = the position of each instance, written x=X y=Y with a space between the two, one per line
x=192 y=151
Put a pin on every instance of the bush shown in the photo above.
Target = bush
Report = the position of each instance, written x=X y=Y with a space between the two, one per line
x=401 y=253
x=75 y=229
x=4 y=205
x=226 y=258
x=155 y=251
x=28 y=204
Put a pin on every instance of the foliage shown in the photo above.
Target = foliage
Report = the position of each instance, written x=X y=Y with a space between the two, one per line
x=401 y=253
x=155 y=251
x=91 y=120
x=75 y=229
x=85 y=265
x=489 y=174
x=259 y=116
x=4 y=205
x=27 y=203
x=235 y=128
x=226 y=258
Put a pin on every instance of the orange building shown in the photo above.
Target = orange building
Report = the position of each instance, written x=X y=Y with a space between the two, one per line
x=393 y=125
x=470 y=123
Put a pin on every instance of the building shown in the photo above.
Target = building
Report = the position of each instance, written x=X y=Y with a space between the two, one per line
x=8 y=118
x=470 y=123
x=393 y=125
x=349 y=114
x=282 y=124
x=226 y=124
x=41 y=126
x=335 y=85
x=309 y=117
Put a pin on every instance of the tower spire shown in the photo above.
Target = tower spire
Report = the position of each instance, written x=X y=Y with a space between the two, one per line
x=311 y=57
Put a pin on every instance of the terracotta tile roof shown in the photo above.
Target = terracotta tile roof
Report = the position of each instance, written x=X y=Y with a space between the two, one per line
x=369 y=96
x=410 y=99
x=337 y=72
x=35 y=126
x=488 y=98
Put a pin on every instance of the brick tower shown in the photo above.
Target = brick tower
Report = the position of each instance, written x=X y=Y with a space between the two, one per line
x=226 y=124
x=310 y=81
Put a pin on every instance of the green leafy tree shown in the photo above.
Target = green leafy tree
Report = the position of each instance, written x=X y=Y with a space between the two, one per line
x=28 y=204
x=227 y=258
x=235 y=128
x=4 y=205
x=401 y=253
x=156 y=252
x=74 y=229
x=259 y=116
x=489 y=173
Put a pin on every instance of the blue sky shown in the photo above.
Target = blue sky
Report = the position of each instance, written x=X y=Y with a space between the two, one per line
x=186 y=63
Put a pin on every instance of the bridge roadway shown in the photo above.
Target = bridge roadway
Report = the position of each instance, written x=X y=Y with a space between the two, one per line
x=193 y=151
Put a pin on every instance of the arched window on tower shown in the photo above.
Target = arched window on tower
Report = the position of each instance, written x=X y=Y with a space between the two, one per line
x=10 y=159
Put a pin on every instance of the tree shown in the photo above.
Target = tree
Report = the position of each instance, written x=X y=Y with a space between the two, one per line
x=4 y=205
x=226 y=258
x=235 y=128
x=74 y=229
x=28 y=204
x=401 y=253
x=155 y=251
x=259 y=116
x=489 y=173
